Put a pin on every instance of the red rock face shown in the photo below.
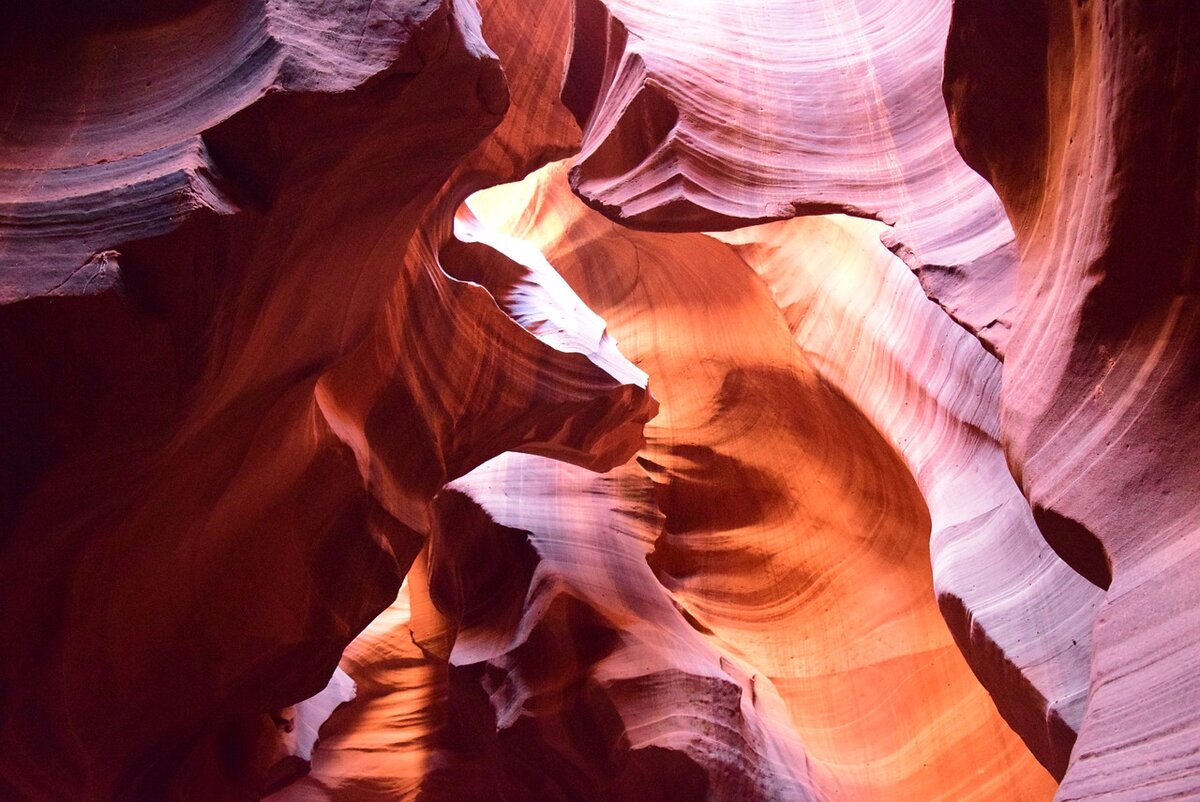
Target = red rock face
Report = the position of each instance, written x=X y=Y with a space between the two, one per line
x=224 y=448
x=474 y=400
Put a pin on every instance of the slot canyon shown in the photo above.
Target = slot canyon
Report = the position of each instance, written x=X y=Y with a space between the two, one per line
x=589 y=400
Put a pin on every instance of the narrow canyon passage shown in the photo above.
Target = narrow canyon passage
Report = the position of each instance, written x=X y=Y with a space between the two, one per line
x=600 y=400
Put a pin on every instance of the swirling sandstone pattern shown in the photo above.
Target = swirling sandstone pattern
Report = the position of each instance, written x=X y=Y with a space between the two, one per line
x=298 y=442
x=863 y=321
x=1092 y=138
x=764 y=532
x=759 y=567
x=229 y=422
x=731 y=114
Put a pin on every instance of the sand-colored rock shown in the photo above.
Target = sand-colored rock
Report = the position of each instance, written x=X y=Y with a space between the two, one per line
x=328 y=332
x=771 y=515
x=1021 y=616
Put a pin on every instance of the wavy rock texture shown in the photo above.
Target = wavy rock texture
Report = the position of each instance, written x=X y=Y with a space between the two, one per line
x=380 y=746
x=731 y=114
x=1092 y=137
x=301 y=724
x=597 y=685
x=863 y=321
x=780 y=502
x=299 y=445
x=230 y=420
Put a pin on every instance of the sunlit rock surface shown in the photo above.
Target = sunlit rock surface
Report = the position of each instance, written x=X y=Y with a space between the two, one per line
x=765 y=528
x=930 y=388
x=762 y=532
x=380 y=422
x=726 y=114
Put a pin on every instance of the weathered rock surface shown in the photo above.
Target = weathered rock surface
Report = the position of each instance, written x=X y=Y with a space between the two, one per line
x=224 y=429
x=1022 y=616
x=1086 y=118
x=308 y=460
x=731 y=114
x=763 y=532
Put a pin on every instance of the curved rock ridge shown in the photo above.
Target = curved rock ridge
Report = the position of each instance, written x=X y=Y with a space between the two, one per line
x=228 y=427
x=301 y=723
x=717 y=115
x=382 y=746
x=596 y=640
x=327 y=441
x=1020 y=615
x=108 y=144
x=1086 y=118
x=563 y=668
x=781 y=499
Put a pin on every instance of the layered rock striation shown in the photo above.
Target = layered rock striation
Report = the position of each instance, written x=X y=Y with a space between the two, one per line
x=1092 y=139
x=594 y=400
x=224 y=438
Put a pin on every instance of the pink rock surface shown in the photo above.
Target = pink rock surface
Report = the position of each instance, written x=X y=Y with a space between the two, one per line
x=1021 y=616
x=1091 y=137
x=309 y=465
x=574 y=614
x=758 y=501
x=722 y=115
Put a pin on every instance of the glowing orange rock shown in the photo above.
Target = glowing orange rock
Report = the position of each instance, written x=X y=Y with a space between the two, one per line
x=705 y=115
x=261 y=363
x=794 y=545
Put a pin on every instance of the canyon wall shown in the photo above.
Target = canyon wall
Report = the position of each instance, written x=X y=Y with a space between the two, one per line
x=1092 y=139
x=599 y=400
